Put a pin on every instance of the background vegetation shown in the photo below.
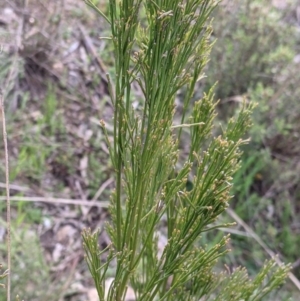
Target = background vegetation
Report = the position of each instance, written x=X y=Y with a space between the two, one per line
x=256 y=56
x=53 y=76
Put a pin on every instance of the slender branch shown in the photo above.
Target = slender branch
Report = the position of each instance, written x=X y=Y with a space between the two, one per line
x=186 y=125
x=91 y=4
x=291 y=276
x=8 y=238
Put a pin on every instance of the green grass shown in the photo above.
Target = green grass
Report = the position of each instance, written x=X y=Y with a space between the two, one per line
x=31 y=278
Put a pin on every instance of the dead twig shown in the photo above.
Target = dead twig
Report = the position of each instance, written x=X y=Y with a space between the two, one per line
x=98 y=193
x=89 y=47
x=233 y=215
x=58 y=201
x=8 y=237
x=70 y=277
x=15 y=187
x=102 y=188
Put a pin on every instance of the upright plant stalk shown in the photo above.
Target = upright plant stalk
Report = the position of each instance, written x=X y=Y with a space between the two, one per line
x=163 y=46
x=8 y=238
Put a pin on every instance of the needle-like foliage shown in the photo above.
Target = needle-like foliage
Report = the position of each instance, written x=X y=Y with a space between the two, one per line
x=163 y=46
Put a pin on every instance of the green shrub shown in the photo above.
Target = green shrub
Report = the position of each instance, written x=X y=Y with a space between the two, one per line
x=255 y=56
x=252 y=45
x=163 y=56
